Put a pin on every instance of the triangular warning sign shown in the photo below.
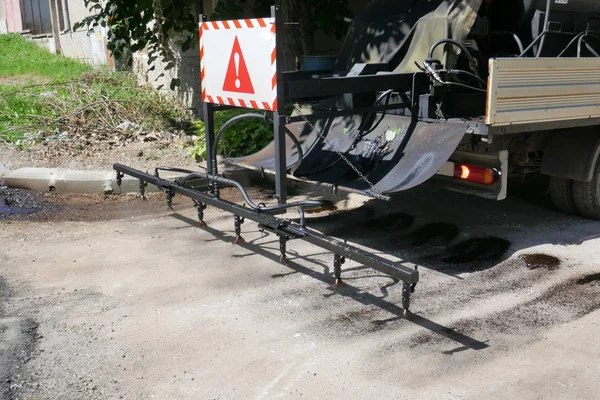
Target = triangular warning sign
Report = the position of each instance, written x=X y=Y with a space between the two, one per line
x=237 y=78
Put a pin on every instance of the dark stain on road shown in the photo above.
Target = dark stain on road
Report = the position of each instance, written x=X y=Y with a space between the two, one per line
x=589 y=279
x=391 y=222
x=484 y=248
x=536 y=261
x=434 y=231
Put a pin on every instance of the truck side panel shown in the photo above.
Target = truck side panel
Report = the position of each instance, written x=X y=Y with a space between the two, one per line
x=534 y=90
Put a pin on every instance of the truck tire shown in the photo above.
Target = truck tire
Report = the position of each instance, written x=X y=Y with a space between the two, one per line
x=561 y=194
x=587 y=195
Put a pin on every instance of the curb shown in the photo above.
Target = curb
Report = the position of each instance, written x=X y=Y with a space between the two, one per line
x=70 y=181
x=59 y=180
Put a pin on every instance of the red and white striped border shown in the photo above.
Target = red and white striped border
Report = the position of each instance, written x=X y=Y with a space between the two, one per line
x=240 y=24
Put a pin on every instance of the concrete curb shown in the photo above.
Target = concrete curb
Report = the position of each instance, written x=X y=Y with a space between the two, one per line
x=70 y=181
x=61 y=180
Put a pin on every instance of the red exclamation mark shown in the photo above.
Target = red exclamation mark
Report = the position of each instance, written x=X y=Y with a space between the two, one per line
x=236 y=59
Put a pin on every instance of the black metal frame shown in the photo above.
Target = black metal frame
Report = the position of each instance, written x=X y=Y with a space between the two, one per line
x=285 y=229
x=291 y=86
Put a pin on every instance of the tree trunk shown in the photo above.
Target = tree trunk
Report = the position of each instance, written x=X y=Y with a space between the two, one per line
x=297 y=37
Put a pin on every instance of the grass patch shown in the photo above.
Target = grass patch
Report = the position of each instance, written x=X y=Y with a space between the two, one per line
x=95 y=102
x=20 y=57
x=45 y=95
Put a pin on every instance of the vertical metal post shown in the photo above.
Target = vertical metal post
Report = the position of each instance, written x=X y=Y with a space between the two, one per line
x=208 y=116
x=279 y=117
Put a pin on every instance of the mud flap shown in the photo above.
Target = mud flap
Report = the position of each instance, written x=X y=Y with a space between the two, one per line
x=398 y=154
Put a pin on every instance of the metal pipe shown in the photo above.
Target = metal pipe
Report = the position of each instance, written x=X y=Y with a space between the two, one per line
x=540 y=36
x=171 y=169
x=591 y=49
x=579 y=42
x=546 y=21
x=570 y=44
x=251 y=204
x=582 y=40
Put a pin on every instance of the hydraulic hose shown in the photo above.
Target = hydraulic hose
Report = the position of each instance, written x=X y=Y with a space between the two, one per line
x=461 y=47
x=237 y=118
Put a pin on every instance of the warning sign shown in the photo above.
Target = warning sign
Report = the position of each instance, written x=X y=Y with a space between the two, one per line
x=238 y=63
x=237 y=78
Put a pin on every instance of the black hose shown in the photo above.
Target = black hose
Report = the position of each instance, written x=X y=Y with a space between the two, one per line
x=247 y=116
x=460 y=71
x=461 y=47
x=248 y=200
x=546 y=21
x=298 y=147
x=436 y=76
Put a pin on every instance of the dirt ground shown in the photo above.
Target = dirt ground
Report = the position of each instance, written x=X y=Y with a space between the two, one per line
x=100 y=156
x=117 y=298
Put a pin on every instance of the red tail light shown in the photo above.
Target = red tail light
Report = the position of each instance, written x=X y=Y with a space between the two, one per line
x=472 y=173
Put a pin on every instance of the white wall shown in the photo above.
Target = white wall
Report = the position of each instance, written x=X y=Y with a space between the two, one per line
x=3 y=26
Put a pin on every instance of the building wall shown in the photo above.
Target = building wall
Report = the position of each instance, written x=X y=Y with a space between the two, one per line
x=3 y=26
x=75 y=44
x=90 y=49
x=187 y=69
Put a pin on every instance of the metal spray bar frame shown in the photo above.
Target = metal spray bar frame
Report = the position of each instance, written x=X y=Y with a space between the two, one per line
x=285 y=229
x=291 y=86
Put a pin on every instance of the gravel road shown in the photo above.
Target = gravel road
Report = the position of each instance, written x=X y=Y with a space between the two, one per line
x=115 y=298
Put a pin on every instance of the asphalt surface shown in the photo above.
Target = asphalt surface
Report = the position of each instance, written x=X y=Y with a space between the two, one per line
x=118 y=298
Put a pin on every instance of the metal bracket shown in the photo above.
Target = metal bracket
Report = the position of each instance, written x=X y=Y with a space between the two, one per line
x=143 y=186
x=337 y=269
x=120 y=176
x=282 y=249
x=200 y=207
x=170 y=193
x=238 y=221
x=406 y=292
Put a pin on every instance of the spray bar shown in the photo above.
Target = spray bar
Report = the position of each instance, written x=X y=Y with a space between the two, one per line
x=285 y=229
